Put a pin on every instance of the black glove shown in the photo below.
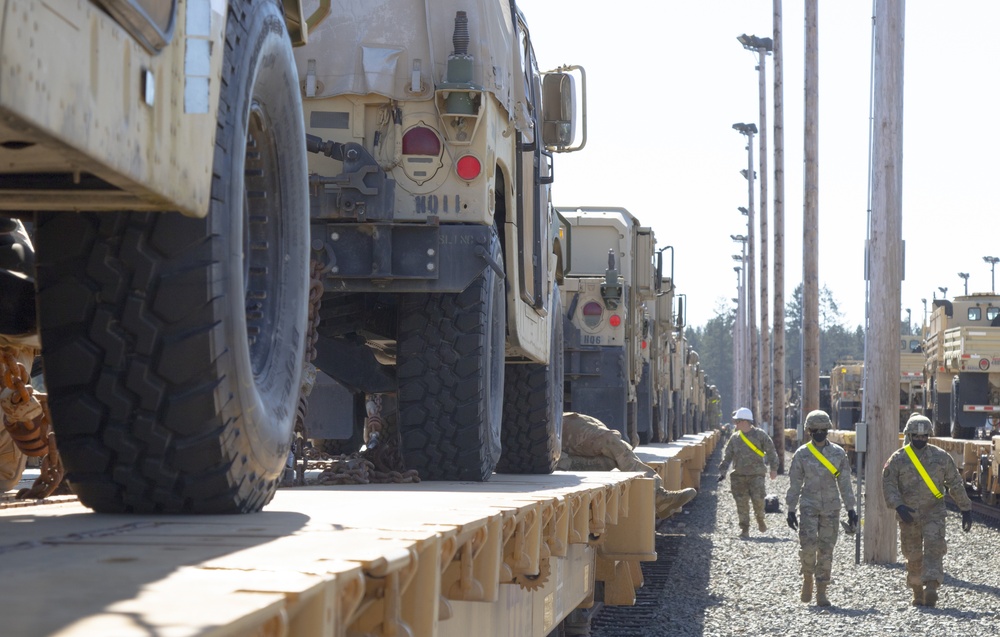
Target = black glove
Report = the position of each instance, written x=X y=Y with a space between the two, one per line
x=793 y=522
x=722 y=477
x=966 y=521
x=852 y=520
x=905 y=513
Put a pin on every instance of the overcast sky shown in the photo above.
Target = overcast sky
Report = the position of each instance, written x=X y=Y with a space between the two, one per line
x=667 y=80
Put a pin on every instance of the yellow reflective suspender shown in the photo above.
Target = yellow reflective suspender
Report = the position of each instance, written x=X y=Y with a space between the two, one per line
x=923 y=473
x=826 y=463
x=751 y=445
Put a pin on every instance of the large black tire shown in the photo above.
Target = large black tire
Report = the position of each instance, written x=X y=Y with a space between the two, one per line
x=531 y=436
x=173 y=346
x=941 y=412
x=450 y=369
x=956 y=406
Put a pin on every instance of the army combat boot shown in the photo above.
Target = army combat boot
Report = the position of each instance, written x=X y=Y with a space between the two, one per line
x=930 y=594
x=760 y=524
x=918 y=596
x=807 y=588
x=668 y=501
x=821 y=598
x=745 y=531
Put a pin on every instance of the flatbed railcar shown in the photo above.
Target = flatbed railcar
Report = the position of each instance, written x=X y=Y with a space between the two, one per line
x=513 y=556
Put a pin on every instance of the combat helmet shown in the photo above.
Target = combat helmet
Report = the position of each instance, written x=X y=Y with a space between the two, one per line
x=818 y=419
x=918 y=424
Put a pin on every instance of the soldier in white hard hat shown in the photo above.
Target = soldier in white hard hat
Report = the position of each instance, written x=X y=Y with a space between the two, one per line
x=751 y=452
x=818 y=478
x=914 y=481
x=589 y=445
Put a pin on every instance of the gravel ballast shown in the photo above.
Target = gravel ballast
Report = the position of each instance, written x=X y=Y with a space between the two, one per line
x=717 y=584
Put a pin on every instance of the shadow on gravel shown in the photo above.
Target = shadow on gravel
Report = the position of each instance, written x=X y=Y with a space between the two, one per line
x=844 y=612
x=770 y=540
x=971 y=586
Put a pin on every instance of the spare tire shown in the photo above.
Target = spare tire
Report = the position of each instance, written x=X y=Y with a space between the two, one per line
x=173 y=346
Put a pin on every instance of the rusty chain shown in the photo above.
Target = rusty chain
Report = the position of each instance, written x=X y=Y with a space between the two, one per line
x=381 y=463
x=26 y=419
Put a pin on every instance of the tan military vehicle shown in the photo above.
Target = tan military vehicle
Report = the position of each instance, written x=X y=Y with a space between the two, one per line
x=608 y=273
x=160 y=146
x=661 y=340
x=845 y=393
x=962 y=363
x=432 y=228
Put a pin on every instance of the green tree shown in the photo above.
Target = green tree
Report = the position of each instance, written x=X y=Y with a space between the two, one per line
x=714 y=342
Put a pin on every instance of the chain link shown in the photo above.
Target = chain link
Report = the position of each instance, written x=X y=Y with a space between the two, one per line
x=381 y=462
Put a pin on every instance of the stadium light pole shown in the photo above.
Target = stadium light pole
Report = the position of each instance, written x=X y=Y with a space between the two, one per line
x=749 y=130
x=763 y=47
x=993 y=263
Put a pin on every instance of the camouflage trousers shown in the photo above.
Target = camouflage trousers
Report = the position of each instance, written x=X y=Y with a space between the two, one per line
x=748 y=490
x=923 y=546
x=817 y=537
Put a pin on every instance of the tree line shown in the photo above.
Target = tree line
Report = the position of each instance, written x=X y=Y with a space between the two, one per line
x=714 y=344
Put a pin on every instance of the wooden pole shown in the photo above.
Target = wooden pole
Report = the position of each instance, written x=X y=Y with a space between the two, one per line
x=810 y=218
x=765 y=339
x=779 y=247
x=881 y=395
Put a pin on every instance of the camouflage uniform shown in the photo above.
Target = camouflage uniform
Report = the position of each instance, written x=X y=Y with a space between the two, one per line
x=815 y=490
x=749 y=468
x=588 y=445
x=902 y=484
x=17 y=331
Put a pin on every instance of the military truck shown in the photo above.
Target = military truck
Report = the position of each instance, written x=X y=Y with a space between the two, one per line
x=845 y=393
x=432 y=227
x=608 y=272
x=962 y=363
x=160 y=147
x=661 y=340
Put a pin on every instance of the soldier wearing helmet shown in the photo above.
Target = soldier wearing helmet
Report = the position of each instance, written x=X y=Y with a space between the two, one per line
x=914 y=481
x=751 y=452
x=819 y=477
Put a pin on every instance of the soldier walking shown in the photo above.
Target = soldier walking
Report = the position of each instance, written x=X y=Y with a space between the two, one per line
x=914 y=481
x=751 y=452
x=818 y=479
x=589 y=445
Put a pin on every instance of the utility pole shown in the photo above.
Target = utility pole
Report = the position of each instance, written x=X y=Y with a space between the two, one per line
x=779 y=246
x=810 y=217
x=881 y=395
x=750 y=130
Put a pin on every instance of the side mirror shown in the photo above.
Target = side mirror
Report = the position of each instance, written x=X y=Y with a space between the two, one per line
x=559 y=110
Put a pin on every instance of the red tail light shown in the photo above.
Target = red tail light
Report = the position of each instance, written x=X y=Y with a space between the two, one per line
x=421 y=141
x=468 y=167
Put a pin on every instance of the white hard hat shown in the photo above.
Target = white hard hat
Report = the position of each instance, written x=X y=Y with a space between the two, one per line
x=743 y=414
